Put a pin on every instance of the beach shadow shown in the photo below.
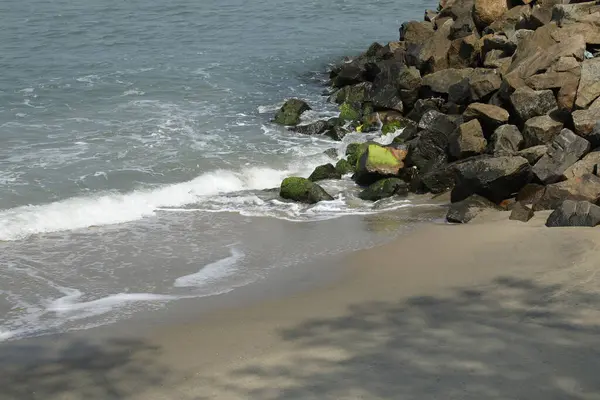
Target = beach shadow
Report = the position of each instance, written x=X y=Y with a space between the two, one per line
x=78 y=369
x=513 y=339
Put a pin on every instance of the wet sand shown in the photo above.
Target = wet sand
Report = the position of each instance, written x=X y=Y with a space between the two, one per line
x=496 y=309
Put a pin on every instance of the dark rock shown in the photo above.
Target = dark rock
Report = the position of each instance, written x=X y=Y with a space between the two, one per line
x=541 y=130
x=575 y=213
x=587 y=165
x=322 y=172
x=521 y=212
x=586 y=124
x=387 y=98
x=533 y=154
x=464 y=52
x=563 y=152
x=409 y=82
x=433 y=120
x=501 y=43
x=585 y=188
x=336 y=132
x=467 y=140
x=460 y=92
x=483 y=83
x=465 y=210
x=350 y=111
x=506 y=140
x=530 y=103
x=439 y=83
x=344 y=167
x=315 y=128
x=430 y=15
x=439 y=179
x=384 y=188
x=530 y=193
x=490 y=116
x=358 y=93
x=494 y=178
x=289 y=113
x=354 y=151
x=378 y=162
x=428 y=150
x=303 y=190
x=570 y=13
x=422 y=106
x=350 y=73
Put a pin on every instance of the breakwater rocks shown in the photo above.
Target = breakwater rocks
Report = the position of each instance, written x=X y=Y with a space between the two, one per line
x=497 y=101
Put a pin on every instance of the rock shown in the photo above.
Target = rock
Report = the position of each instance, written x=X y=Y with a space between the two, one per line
x=439 y=82
x=422 y=106
x=464 y=52
x=483 y=83
x=432 y=55
x=378 y=162
x=485 y=12
x=587 y=165
x=434 y=120
x=322 y=172
x=428 y=150
x=344 y=167
x=439 y=179
x=336 y=132
x=358 y=93
x=315 y=128
x=533 y=154
x=498 y=42
x=289 y=113
x=541 y=130
x=331 y=153
x=521 y=212
x=516 y=18
x=465 y=210
x=384 y=188
x=490 y=116
x=416 y=32
x=586 y=187
x=530 y=193
x=467 y=141
x=350 y=112
x=430 y=15
x=586 y=125
x=506 y=140
x=493 y=178
x=563 y=152
x=303 y=190
x=387 y=98
x=564 y=14
x=574 y=213
x=409 y=82
x=354 y=151
x=589 y=84
x=530 y=103
x=349 y=74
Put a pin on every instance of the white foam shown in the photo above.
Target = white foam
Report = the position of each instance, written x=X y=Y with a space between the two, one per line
x=212 y=272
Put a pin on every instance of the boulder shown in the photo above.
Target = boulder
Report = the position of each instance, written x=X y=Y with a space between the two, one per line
x=586 y=125
x=490 y=116
x=387 y=98
x=422 y=106
x=349 y=73
x=344 y=167
x=483 y=83
x=467 y=141
x=331 y=153
x=350 y=111
x=534 y=153
x=516 y=18
x=378 y=162
x=428 y=150
x=439 y=179
x=530 y=193
x=506 y=140
x=336 y=131
x=326 y=171
x=416 y=32
x=409 y=82
x=586 y=187
x=494 y=178
x=589 y=84
x=384 y=188
x=438 y=83
x=574 y=213
x=315 y=128
x=485 y=12
x=587 y=165
x=464 y=52
x=436 y=121
x=303 y=191
x=289 y=113
x=432 y=55
x=564 y=14
x=358 y=93
x=564 y=151
x=430 y=15
x=521 y=212
x=541 y=130
x=530 y=103
x=354 y=151
x=465 y=210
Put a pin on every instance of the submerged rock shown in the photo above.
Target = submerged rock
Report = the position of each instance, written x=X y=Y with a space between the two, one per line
x=303 y=190
x=575 y=213
x=384 y=188
x=467 y=209
x=289 y=113
x=326 y=171
x=344 y=167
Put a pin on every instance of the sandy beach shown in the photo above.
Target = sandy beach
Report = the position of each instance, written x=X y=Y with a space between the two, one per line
x=492 y=310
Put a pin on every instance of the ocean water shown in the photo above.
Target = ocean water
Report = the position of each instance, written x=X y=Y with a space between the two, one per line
x=136 y=150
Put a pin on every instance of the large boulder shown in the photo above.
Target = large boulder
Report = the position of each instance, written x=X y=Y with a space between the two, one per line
x=541 y=130
x=428 y=150
x=563 y=152
x=384 y=188
x=416 y=32
x=516 y=18
x=465 y=210
x=589 y=164
x=378 y=162
x=467 y=140
x=506 y=140
x=586 y=125
x=421 y=106
x=409 y=82
x=439 y=83
x=530 y=103
x=496 y=178
x=358 y=93
x=490 y=116
x=464 y=52
x=436 y=121
x=485 y=12
x=589 y=84
x=290 y=112
x=534 y=153
x=303 y=191
x=483 y=83
x=586 y=187
x=575 y=213
x=432 y=56
x=354 y=151
x=530 y=193
x=326 y=171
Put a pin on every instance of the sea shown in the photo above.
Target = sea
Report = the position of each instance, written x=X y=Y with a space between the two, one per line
x=138 y=163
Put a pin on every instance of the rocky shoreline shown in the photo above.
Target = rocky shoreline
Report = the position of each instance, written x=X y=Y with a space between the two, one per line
x=496 y=101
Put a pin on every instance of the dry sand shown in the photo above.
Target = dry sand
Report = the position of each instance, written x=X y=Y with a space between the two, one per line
x=495 y=309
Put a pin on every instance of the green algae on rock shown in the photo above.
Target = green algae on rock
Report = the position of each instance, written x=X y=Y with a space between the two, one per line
x=354 y=151
x=303 y=190
x=344 y=167
x=326 y=171
x=289 y=113
x=384 y=188
x=349 y=112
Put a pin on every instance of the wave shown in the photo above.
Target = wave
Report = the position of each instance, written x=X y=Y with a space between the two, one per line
x=211 y=272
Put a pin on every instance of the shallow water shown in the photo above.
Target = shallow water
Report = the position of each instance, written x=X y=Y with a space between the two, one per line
x=135 y=147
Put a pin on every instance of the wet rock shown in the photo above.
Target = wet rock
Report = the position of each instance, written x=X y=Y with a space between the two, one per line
x=428 y=150
x=350 y=73
x=465 y=210
x=378 y=162
x=315 y=128
x=506 y=140
x=586 y=187
x=586 y=125
x=289 y=113
x=534 y=153
x=589 y=84
x=358 y=93
x=490 y=116
x=438 y=122
x=439 y=179
x=587 y=165
x=322 y=172
x=354 y=151
x=344 y=167
x=467 y=141
x=574 y=213
x=422 y=106
x=331 y=153
x=384 y=188
x=494 y=178
x=350 y=111
x=303 y=191
x=563 y=152
x=485 y=12
x=541 y=130
x=530 y=103
x=521 y=212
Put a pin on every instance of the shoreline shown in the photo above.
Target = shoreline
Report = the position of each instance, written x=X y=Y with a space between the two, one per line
x=481 y=314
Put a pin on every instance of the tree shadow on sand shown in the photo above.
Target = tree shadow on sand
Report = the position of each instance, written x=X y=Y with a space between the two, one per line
x=513 y=339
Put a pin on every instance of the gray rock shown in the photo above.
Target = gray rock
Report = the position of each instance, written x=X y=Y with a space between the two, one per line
x=586 y=123
x=589 y=84
x=566 y=149
x=530 y=103
x=422 y=106
x=436 y=121
x=506 y=140
x=315 y=128
x=585 y=188
x=440 y=82
x=587 y=165
x=483 y=83
x=465 y=210
x=384 y=188
x=467 y=140
x=533 y=154
x=541 y=130
x=575 y=213
x=521 y=212
x=530 y=193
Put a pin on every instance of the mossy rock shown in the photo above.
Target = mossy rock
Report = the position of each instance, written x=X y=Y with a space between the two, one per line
x=392 y=126
x=378 y=162
x=352 y=93
x=384 y=188
x=303 y=190
x=290 y=112
x=350 y=112
x=344 y=167
x=354 y=151
x=322 y=172
x=331 y=153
